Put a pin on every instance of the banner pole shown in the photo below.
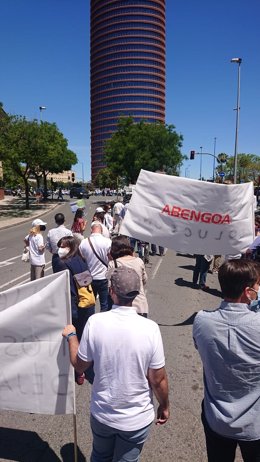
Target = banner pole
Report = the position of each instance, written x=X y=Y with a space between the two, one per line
x=75 y=437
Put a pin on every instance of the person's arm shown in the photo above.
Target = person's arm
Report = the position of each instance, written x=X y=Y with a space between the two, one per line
x=79 y=365
x=40 y=243
x=144 y=273
x=48 y=243
x=159 y=384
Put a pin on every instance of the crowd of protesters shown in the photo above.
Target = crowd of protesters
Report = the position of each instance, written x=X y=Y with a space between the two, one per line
x=120 y=350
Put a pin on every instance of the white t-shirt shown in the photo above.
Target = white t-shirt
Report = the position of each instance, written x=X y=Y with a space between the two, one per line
x=118 y=207
x=54 y=235
x=123 y=345
x=102 y=246
x=37 y=257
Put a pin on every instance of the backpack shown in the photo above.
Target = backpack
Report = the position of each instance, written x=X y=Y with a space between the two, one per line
x=85 y=292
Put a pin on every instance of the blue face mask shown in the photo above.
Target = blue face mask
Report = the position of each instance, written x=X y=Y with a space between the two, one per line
x=254 y=305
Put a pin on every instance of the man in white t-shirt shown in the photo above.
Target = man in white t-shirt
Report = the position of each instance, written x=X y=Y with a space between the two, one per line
x=54 y=235
x=128 y=357
x=95 y=251
x=117 y=216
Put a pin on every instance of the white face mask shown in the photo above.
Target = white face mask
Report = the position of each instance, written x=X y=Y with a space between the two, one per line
x=255 y=304
x=63 y=251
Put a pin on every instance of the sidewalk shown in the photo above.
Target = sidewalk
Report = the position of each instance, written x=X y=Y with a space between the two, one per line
x=13 y=212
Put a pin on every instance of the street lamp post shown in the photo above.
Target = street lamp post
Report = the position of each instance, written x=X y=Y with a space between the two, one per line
x=193 y=153
x=187 y=171
x=82 y=170
x=214 y=159
x=237 y=61
x=200 y=162
x=42 y=108
x=82 y=166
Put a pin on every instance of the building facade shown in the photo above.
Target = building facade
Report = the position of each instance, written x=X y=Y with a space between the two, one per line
x=67 y=176
x=127 y=67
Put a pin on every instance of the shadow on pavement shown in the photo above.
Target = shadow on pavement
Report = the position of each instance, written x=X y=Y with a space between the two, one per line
x=186 y=255
x=182 y=283
x=67 y=453
x=27 y=446
x=188 y=322
x=187 y=267
x=24 y=446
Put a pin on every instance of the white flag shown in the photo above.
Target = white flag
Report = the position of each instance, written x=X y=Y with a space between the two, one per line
x=35 y=374
x=190 y=215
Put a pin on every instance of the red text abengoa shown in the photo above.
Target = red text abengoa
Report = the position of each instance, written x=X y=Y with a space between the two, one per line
x=193 y=215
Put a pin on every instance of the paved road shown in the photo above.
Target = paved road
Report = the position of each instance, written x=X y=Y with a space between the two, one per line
x=12 y=270
x=173 y=304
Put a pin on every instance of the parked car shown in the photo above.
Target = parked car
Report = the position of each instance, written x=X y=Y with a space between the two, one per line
x=79 y=192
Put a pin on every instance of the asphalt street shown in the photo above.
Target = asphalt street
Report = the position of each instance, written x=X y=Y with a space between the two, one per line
x=173 y=304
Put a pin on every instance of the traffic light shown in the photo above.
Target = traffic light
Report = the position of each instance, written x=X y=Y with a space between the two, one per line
x=73 y=177
x=192 y=155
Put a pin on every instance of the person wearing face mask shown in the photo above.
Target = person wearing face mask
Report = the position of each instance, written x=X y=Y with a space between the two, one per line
x=34 y=240
x=227 y=340
x=69 y=258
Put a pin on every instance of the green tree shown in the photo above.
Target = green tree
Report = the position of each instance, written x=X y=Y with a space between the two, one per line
x=248 y=167
x=222 y=160
x=52 y=153
x=136 y=146
x=30 y=148
x=105 y=179
x=17 y=137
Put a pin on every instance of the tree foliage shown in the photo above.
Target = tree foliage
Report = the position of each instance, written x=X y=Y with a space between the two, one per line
x=33 y=149
x=136 y=146
x=105 y=179
x=248 y=167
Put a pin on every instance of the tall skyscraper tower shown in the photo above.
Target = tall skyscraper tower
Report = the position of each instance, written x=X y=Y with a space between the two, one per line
x=127 y=67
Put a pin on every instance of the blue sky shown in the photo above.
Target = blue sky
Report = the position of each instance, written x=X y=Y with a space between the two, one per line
x=45 y=62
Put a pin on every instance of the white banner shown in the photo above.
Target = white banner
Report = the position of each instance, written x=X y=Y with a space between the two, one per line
x=190 y=215
x=36 y=375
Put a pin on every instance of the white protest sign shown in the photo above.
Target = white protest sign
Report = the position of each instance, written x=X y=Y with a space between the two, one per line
x=190 y=215
x=36 y=375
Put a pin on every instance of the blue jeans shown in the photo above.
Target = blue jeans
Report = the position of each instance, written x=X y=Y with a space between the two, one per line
x=200 y=270
x=154 y=249
x=112 y=445
x=100 y=287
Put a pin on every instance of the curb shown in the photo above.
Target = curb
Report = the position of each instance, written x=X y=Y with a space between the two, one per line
x=20 y=221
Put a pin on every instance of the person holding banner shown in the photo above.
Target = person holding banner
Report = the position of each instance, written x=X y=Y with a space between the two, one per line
x=129 y=364
x=227 y=340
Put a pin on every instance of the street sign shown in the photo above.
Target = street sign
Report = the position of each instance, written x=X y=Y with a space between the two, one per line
x=221 y=173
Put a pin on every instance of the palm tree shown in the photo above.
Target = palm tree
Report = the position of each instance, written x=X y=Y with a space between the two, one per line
x=222 y=160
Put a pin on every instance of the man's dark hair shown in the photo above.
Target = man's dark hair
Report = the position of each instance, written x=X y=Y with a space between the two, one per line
x=59 y=218
x=235 y=275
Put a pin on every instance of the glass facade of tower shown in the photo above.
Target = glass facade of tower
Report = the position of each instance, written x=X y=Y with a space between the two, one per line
x=127 y=67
